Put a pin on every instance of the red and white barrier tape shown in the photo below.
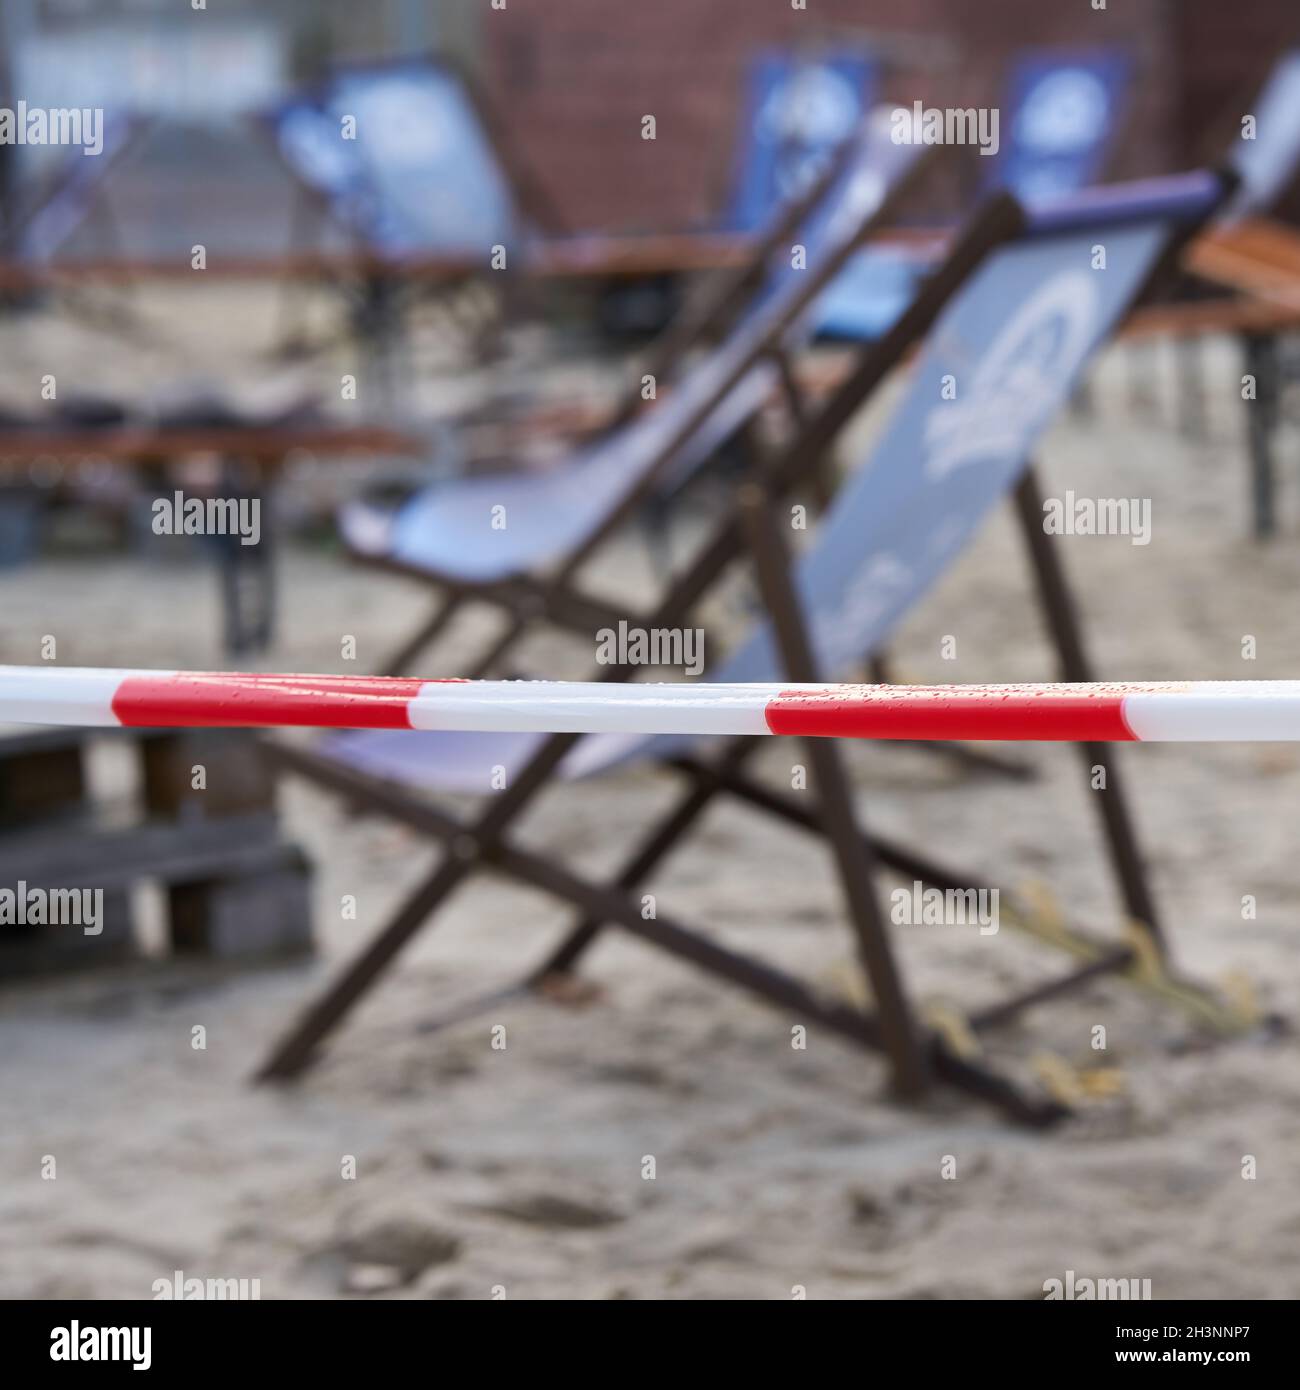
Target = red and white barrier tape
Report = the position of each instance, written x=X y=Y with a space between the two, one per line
x=1218 y=711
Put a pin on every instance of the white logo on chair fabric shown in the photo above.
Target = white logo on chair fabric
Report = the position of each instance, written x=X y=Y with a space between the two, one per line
x=873 y=591
x=1064 y=111
x=805 y=118
x=1018 y=383
x=1017 y=386
x=814 y=106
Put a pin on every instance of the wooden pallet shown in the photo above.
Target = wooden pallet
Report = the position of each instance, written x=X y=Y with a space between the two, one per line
x=234 y=887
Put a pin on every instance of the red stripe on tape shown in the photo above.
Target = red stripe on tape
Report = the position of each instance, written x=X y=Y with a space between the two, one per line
x=949 y=712
x=211 y=699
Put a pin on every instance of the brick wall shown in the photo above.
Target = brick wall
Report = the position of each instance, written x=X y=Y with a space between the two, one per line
x=574 y=77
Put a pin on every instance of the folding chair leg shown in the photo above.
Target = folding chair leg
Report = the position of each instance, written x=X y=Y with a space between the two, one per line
x=1191 y=387
x=1260 y=351
x=247 y=573
x=400 y=661
x=664 y=836
x=294 y=1052
x=513 y=632
x=1118 y=958
x=606 y=904
x=901 y=1036
x=1067 y=637
x=728 y=775
x=470 y=845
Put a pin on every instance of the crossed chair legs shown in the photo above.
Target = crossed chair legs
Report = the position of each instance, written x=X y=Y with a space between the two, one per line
x=917 y=1057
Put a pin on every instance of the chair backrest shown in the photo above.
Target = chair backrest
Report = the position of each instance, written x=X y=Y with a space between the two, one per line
x=799 y=108
x=1060 y=119
x=999 y=364
x=1269 y=160
x=402 y=155
x=717 y=392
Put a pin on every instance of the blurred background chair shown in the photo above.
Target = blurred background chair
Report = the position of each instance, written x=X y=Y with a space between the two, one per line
x=521 y=539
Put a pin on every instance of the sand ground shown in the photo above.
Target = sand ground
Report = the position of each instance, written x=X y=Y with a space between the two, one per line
x=522 y=1169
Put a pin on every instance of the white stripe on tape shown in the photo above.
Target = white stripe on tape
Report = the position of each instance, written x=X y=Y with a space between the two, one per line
x=1217 y=711
x=48 y=694
x=591 y=707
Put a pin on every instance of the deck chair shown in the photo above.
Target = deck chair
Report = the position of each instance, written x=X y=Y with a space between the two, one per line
x=429 y=183
x=427 y=172
x=1062 y=114
x=555 y=521
x=56 y=202
x=66 y=200
x=1015 y=339
x=162 y=191
x=161 y=188
x=424 y=181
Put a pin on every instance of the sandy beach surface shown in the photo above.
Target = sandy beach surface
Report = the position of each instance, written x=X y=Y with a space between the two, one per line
x=481 y=1171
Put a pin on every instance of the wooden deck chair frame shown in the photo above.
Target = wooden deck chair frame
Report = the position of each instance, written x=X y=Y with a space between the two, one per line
x=917 y=1057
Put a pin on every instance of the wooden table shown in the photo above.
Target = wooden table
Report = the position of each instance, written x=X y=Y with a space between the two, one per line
x=252 y=459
